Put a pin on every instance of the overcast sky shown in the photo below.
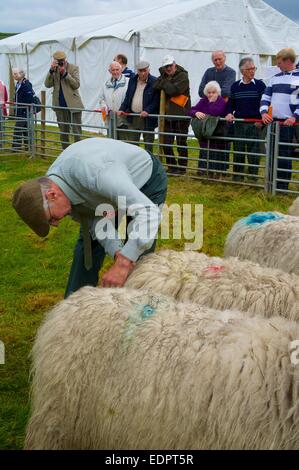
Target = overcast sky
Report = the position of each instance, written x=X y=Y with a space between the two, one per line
x=23 y=15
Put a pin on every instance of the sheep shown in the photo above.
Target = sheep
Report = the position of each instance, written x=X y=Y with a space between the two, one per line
x=268 y=238
x=127 y=369
x=219 y=283
x=294 y=208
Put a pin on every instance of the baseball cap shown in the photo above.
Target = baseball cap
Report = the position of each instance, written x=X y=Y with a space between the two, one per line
x=143 y=64
x=168 y=60
x=28 y=203
x=59 y=55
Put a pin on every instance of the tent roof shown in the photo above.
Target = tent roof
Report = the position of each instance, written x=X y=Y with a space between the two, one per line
x=238 y=26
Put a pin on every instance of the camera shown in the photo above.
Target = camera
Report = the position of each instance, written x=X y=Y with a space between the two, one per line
x=60 y=62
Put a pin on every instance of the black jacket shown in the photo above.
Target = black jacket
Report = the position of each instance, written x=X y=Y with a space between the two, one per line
x=151 y=100
x=23 y=94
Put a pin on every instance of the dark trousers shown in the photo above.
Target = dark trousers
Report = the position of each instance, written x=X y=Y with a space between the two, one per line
x=246 y=130
x=67 y=119
x=139 y=125
x=175 y=127
x=155 y=189
x=285 y=153
x=20 y=133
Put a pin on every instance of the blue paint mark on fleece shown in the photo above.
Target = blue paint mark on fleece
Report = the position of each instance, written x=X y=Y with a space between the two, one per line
x=261 y=218
x=136 y=317
x=147 y=311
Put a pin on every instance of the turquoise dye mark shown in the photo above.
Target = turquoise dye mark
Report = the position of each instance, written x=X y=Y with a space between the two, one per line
x=261 y=218
x=139 y=314
x=147 y=311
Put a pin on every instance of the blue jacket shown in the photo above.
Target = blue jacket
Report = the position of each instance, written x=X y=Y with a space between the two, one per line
x=23 y=94
x=151 y=100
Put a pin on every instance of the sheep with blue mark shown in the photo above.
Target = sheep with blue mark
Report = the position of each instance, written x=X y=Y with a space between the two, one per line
x=268 y=238
x=219 y=283
x=126 y=369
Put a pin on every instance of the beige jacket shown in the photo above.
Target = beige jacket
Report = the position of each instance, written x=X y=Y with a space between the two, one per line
x=70 y=86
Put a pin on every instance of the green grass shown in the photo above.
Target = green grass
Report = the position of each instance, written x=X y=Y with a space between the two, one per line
x=34 y=271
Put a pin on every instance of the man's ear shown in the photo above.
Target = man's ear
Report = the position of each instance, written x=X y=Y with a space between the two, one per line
x=51 y=194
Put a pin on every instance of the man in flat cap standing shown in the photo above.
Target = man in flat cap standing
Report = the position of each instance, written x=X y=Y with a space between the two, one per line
x=143 y=100
x=97 y=181
x=65 y=81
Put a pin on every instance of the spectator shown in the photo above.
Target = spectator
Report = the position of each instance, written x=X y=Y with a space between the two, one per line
x=174 y=81
x=221 y=72
x=23 y=94
x=64 y=78
x=282 y=94
x=3 y=98
x=143 y=100
x=123 y=61
x=244 y=103
x=113 y=93
x=84 y=182
x=211 y=105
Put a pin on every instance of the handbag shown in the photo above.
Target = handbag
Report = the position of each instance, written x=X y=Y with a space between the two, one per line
x=36 y=104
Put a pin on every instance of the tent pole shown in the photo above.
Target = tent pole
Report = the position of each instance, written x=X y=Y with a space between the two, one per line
x=136 y=49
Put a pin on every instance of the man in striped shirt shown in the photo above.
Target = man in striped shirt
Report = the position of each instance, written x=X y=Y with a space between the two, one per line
x=244 y=103
x=282 y=94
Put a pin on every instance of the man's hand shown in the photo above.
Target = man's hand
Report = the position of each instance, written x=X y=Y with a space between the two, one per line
x=117 y=275
x=143 y=114
x=266 y=118
x=290 y=121
x=54 y=65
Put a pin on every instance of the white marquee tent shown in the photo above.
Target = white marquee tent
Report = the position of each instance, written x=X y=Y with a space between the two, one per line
x=188 y=30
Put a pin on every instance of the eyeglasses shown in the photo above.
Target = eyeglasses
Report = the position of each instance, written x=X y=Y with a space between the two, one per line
x=250 y=69
x=51 y=219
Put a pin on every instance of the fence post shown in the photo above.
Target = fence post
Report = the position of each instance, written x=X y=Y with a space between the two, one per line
x=30 y=124
x=269 y=159
x=43 y=123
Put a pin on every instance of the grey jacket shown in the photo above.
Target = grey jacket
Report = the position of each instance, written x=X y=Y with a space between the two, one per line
x=100 y=171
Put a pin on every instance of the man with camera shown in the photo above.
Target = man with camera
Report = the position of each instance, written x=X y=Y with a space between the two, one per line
x=64 y=78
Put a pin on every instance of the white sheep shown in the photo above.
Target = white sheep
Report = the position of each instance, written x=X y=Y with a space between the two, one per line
x=294 y=208
x=219 y=283
x=268 y=238
x=125 y=369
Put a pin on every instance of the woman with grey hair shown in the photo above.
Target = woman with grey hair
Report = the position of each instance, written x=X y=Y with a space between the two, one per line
x=211 y=105
x=23 y=97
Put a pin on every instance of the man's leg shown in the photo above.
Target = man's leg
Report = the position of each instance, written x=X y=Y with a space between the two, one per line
x=239 y=146
x=76 y=120
x=79 y=276
x=253 y=132
x=168 y=140
x=182 y=128
x=63 y=118
x=148 y=137
x=17 y=134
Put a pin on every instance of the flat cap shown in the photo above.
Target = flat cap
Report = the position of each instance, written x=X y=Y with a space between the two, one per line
x=28 y=203
x=59 y=55
x=143 y=64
